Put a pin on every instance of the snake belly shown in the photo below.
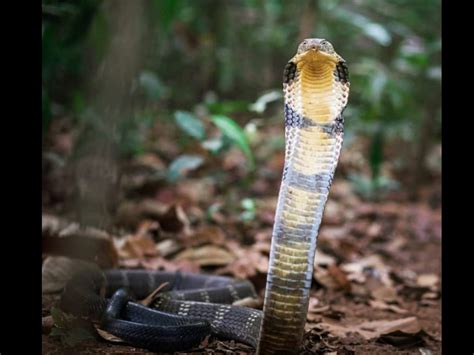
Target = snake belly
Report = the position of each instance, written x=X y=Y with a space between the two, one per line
x=316 y=90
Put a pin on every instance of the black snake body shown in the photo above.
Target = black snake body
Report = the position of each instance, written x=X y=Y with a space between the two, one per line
x=191 y=306
x=188 y=307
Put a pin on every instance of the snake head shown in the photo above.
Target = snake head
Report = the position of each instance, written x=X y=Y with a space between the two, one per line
x=315 y=44
x=312 y=49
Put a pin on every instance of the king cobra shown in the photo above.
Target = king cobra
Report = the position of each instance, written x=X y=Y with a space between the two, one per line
x=191 y=306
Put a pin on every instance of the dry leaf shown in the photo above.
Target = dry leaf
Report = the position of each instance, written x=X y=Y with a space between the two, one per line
x=130 y=214
x=150 y=161
x=396 y=244
x=47 y=324
x=206 y=235
x=174 y=220
x=385 y=293
x=357 y=269
x=333 y=213
x=315 y=311
x=263 y=247
x=384 y=306
x=136 y=246
x=374 y=230
x=246 y=265
x=336 y=233
x=159 y=263
x=427 y=280
x=107 y=336
x=430 y=296
x=167 y=247
x=148 y=228
x=323 y=259
x=249 y=302
x=340 y=277
x=322 y=276
x=207 y=255
x=375 y=329
x=194 y=191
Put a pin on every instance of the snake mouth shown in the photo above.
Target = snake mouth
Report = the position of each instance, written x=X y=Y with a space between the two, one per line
x=315 y=55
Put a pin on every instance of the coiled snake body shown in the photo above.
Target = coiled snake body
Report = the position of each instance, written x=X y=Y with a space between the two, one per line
x=316 y=90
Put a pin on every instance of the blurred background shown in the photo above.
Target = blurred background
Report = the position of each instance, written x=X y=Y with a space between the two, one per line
x=166 y=116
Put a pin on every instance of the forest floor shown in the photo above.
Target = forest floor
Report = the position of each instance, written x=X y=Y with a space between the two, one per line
x=376 y=286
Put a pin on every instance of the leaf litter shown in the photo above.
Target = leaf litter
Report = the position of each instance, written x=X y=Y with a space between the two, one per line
x=376 y=278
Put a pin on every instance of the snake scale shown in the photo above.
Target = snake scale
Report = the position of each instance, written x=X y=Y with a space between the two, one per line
x=191 y=306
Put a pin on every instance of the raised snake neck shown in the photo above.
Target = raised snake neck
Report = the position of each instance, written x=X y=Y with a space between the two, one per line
x=316 y=89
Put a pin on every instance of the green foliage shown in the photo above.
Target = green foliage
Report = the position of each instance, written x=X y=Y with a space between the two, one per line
x=233 y=131
x=190 y=124
x=181 y=165
x=227 y=107
x=64 y=29
x=152 y=85
x=237 y=50
x=372 y=188
x=376 y=154
x=250 y=209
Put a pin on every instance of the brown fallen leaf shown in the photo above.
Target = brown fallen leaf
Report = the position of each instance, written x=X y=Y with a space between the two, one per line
x=249 y=302
x=385 y=294
x=207 y=255
x=322 y=276
x=416 y=286
x=206 y=235
x=389 y=307
x=340 y=277
x=396 y=244
x=315 y=311
x=47 y=324
x=374 y=230
x=427 y=280
x=130 y=214
x=333 y=213
x=431 y=296
x=160 y=263
x=321 y=258
x=136 y=246
x=107 y=336
x=148 y=228
x=336 y=233
x=247 y=264
x=372 y=265
x=167 y=247
x=174 y=220
x=375 y=329
x=150 y=161
x=194 y=191
x=149 y=299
